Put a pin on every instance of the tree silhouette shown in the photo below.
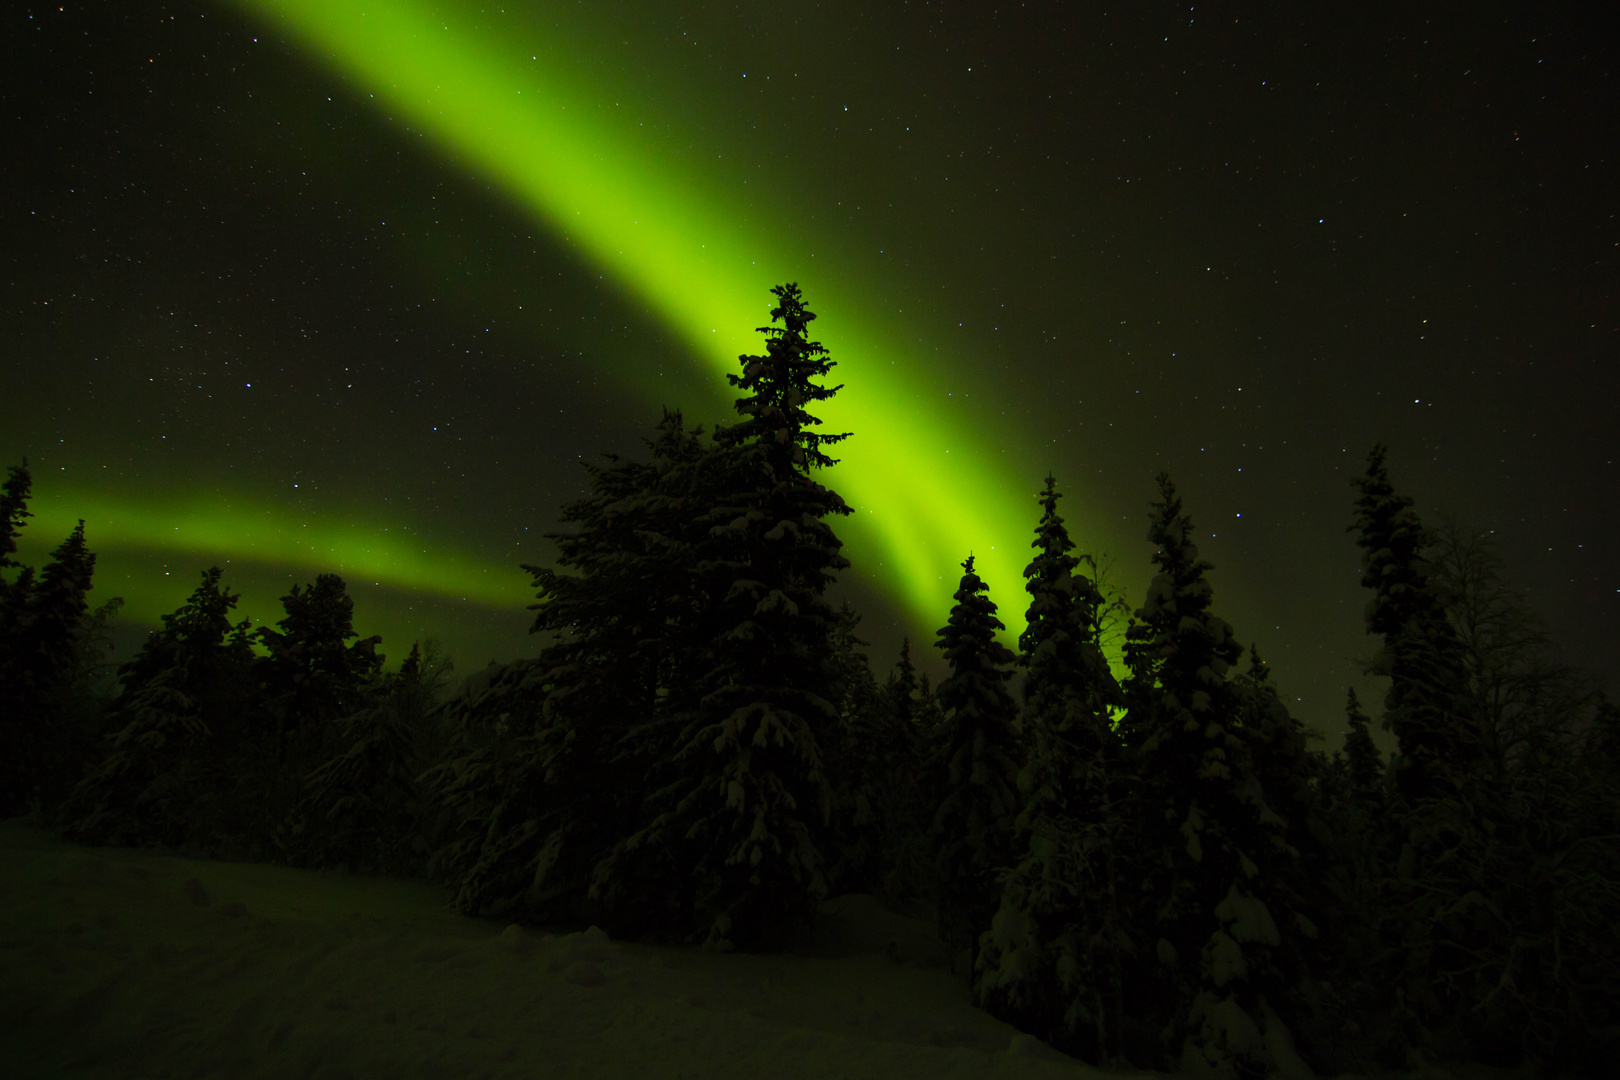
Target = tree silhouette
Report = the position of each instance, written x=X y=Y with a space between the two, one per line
x=977 y=759
x=14 y=516
x=172 y=768
x=552 y=758
x=313 y=673
x=1499 y=917
x=364 y=808
x=743 y=806
x=42 y=628
x=1421 y=656
x=1204 y=814
x=1053 y=959
x=1366 y=768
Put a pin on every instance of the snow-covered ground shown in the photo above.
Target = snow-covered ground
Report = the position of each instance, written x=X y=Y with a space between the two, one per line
x=118 y=963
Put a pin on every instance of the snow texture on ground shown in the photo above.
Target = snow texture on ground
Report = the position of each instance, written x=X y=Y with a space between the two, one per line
x=119 y=963
x=126 y=964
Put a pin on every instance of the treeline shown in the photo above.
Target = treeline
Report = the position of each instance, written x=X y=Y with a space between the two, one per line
x=1154 y=872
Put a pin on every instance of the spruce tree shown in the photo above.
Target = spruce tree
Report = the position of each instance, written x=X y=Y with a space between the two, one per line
x=1053 y=959
x=550 y=761
x=930 y=718
x=486 y=789
x=880 y=809
x=172 y=771
x=862 y=762
x=45 y=621
x=1350 y=990
x=909 y=879
x=51 y=621
x=15 y=594
x=1288 y=794
x=18 y=727
x=1421 y=656
x=976 y=761
x=1444 y=792
x=1365 y=767
x=14 y=516
x=624 y=663
x=365 y=808
x=1286 y=772
x=314 y=673
x=1203 y=814
x=740 y=813
x=901 y=688
x=1069 y=689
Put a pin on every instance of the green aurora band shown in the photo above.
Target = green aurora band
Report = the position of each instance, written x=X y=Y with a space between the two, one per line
x=258 y=534
x=673 y=242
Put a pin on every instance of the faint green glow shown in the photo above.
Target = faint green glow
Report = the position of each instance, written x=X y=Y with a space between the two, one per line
x=237 y=530
x=927 y=487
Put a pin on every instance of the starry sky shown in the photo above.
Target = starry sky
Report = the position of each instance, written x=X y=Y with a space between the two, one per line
x=303 y=285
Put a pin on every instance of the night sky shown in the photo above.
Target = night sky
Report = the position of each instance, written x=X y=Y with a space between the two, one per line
x=305 y=285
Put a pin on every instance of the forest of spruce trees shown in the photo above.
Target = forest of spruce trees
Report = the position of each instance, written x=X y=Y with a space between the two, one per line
x=1153 y=871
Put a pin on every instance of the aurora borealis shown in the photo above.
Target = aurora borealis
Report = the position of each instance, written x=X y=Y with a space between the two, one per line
x=667 y=237
x=295 y=286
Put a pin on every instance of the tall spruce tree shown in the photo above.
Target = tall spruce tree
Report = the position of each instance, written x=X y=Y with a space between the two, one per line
x=976 y=760
x=1203 y=814
x=1421 y=656
x=1287 y=774
x=1053 y=960
x=1439 y=768
x=50 y=621
x=740 y=818
x=1069 y=689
